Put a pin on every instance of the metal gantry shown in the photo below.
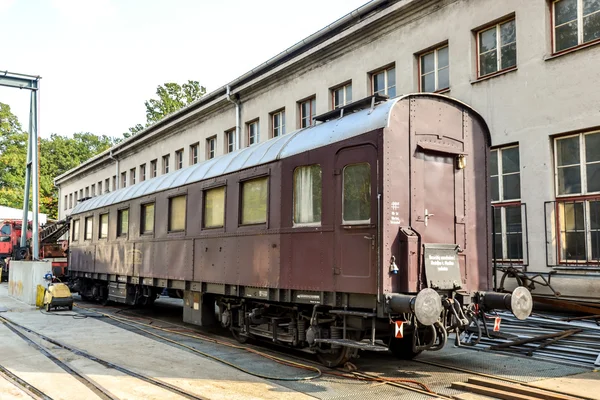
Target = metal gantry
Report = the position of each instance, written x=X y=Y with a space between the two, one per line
x=31 y=83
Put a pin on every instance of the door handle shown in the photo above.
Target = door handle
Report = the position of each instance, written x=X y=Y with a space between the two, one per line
x=369 y=237
x=427 y=215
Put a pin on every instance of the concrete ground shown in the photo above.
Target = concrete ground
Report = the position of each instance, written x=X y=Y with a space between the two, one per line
x=130 y=348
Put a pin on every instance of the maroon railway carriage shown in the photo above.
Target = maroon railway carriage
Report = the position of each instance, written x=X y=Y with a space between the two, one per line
x=374 y=223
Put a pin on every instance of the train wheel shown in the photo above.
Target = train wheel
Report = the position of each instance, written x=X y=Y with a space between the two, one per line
x=335 y=357
x=403 y=348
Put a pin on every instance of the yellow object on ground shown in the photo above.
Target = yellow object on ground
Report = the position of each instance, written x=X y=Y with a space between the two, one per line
x=58 y=295
x=39 y=297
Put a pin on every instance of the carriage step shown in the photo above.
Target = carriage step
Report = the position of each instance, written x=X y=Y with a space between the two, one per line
x=354 y=344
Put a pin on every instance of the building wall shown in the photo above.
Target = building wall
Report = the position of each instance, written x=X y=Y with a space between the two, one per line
x=544 y=96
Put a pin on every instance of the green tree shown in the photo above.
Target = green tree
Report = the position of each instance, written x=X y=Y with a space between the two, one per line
x=58 y=154
x=171 y=97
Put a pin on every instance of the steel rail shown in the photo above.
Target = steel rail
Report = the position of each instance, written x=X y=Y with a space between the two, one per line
x=403 y=386
x=90 y=384
x=23 y=385
x=102 y=362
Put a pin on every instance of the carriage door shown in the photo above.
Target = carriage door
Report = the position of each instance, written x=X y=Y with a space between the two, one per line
x=438 y=214
x=356 y=219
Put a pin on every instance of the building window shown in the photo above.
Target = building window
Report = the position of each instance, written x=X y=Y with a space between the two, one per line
x=147 y=218
x=506 y=193
x=165 y=164
x=254 y=201
x=142 y=172
x=230 y=140
x=115 y=182
x=307 y=195
x=80 y=194
x=497 y=48
x=93 y=190
x=70 y=200
x=308 y=110
x=214 y=207
x=341 y=95
x=177 y=213
x=75 y=203
x=75 y=236
x=211 y=147
x=384 y=82
x=575 y=22
x=107 y=185
x=505 y=174
x=89 y=224
x=577 y=160
x=132 y=176
x=103 y=226
x=87 y=192
x=434 y=70
x=356 y=203
x=179 y=159
x=65 y=202
x=252 y=132
x=99 y=188
x=278 y=123
x=153 y=168
x=194 y=154
x=123 y=222
x=123 y=179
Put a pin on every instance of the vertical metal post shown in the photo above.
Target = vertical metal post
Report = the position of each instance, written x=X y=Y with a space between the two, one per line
x=27 y=185
x=33 y=138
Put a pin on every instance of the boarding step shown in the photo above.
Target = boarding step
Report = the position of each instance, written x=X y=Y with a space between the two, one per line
x=354 y=344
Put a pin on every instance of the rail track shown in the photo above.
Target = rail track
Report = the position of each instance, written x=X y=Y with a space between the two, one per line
x=23 y=385
x=96 y=388
x=489 y=385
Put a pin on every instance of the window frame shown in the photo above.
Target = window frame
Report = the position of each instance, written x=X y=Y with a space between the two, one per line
x=124 y=179
x=358 y=222
x=194 y=153
x=120 y=233
x=143 y=218
x=312 y=100
x=154 y=168
x=93 y=190
x=75 y=238
x=100 y=237
x=178 y=159
x=435 y=50
x=501 y=200
x=205 y=190
x=211 y=141
x=85 y=228
x=132 y=176
x=143 y=172
x=344 y=88
x=169 y=203
x=66 y=202
x=241 y=183
x=107 y=185
x=386 y=71
x=579 y=20
x=582 y=163
x=165 y=163
x=499 y=69
x=230 y=133
x=305 y=224
x=70 y=201
x=281 y=113
x=249 y=125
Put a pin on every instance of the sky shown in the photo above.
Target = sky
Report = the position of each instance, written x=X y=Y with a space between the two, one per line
x=101 y=59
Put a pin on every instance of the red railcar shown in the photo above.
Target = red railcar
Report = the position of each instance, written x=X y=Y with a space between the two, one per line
x=374 y=223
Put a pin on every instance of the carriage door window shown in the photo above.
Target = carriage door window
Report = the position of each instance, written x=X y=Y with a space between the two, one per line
x=123 y=222
x=214 y=207
x=177 y=213
x=254 y=201
x=307 y=195
x=103 y=226
x=357 y=194
x=147 y=221
x=75 y=230
x=88 y=228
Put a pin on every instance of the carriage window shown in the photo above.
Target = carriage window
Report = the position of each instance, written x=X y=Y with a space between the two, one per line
x=147 y=222
x=75 y=230
x=307 y=194
x=89 y=221
x=103 y=226
x=357 y=193
x=177 y=213
x=214 y=207
x=254 y=201
x=123 y=222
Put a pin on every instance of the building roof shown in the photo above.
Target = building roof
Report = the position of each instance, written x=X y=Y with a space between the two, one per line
x=355 y=17
x=287 y=145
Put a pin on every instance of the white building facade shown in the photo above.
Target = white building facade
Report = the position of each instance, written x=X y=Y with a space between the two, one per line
x=531 y=68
